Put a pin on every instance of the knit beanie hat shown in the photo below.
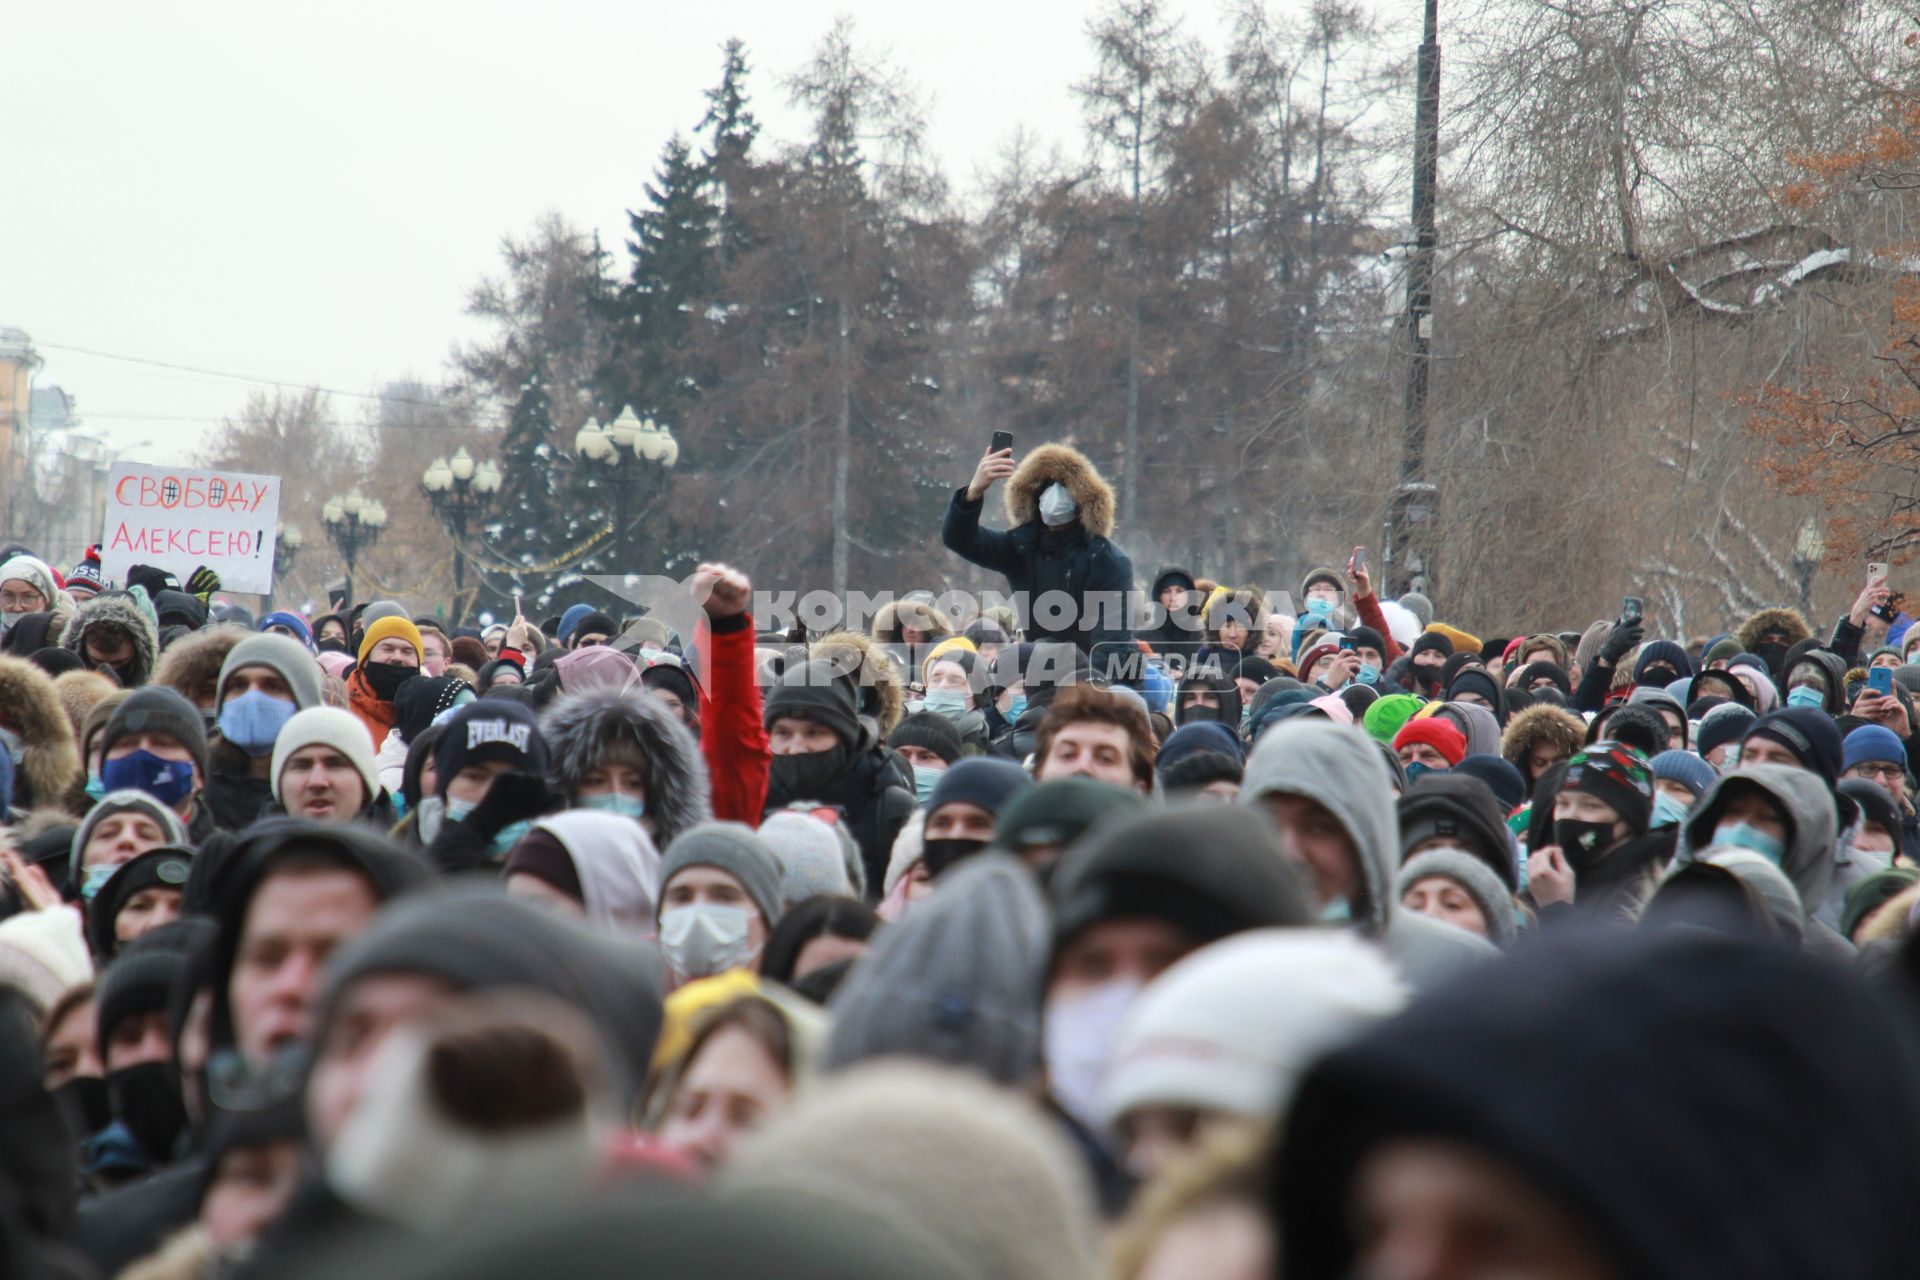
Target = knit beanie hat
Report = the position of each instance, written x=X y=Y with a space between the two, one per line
x=959 y=980
x=1592 y=640
x=592 y=623
x=1326 y=574
x=812 y=859
x=421 y=700
x=985 y=781
x=156 y=708
x=930 y=731
x=1419 y=606
x=1662 y=652
x=733 y=848
x=1462 y=641
x=486 y=731
x=1386 y=717
x=1430 y=642
x=386 y=629
x=1436 y=733
x=1474 y=877
x=141 y=976
x=166 y=867
x=292 y=622
x=1509 y=787
x=117 y=802
x=1199 y=736
x=1617 y=776
x=1809 y=733
x=282 y=654
x=1721 y=650
x=1461 y=811
x=85 y=580
x=1725 y=723
x=820 y=692
x=326 y=727
x=1873 y=742
x=1869 y=895
x=1061 y=811
x=1685 y=768
x=1907 y=677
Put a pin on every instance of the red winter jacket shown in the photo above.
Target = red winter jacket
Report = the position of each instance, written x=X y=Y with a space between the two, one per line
x=732 y=737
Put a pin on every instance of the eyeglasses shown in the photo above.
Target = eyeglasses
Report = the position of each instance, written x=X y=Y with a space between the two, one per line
x=22 y=601
x=1880 y=771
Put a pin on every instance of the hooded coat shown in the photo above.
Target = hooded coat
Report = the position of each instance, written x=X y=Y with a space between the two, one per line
x=580 y=727
x=1078 y=558
x=881 y=690
x=191 y=665
x=1179 y=631
x=1832 y=668
x=1812 y=829
x=1699 y=1107
x=120 y=609
x=49 y=768
x=1341 y=770
x=1541 y=726
x=1789 y=621
x=618 y=868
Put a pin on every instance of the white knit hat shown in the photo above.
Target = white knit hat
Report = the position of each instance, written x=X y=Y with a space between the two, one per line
x=44 y=954
x=1232 y=1027
x=326 y=727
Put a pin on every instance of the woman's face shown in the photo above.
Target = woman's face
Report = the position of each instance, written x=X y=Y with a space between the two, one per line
x=1233 y=633
x=732 y=1087
x=1441 y=898
x=332 y=630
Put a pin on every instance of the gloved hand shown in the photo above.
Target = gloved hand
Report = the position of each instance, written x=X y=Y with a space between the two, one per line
x=1621 y=640
x=511 y=798
x=203 y=582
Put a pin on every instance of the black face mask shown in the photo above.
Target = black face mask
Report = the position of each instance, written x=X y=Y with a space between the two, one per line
x=1198 y=712
x=1660 y=677
x=147 y=1101
x=385 y=678
x=1583 y=844
x=807 y=777
x=84 y=1102
x=1428 y=677
x=942 y=853
x=1775 y=655
x=332 y=645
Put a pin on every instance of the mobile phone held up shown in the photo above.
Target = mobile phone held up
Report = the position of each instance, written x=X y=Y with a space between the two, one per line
x=1880 y=680
x=1632 y=609
x=1002 y=441
x=1359 y=560
x=1877 y=570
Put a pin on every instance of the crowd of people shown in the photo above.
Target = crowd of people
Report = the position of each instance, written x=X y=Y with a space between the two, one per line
x=1225 y=934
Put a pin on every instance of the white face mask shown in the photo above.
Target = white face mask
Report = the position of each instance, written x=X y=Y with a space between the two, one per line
x=704 y=939
x=1080 y=1031
x=1057 y=506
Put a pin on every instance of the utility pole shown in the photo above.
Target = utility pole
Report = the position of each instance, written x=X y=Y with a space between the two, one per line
x=1414 y=516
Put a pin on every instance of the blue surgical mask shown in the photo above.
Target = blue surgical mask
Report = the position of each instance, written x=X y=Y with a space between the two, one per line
x=1807 y=696
x=1667 y=811
x=616 y=802
x=946 y=702
x=1017 y=707
x=1369 y=674
x=1742 y=835
x=95 y=879
x=95 y=787
x=168 y=781
x=1339 y=911
x=1320 y=606
x=252 y=720
x=925 y=780
x=1417 y=771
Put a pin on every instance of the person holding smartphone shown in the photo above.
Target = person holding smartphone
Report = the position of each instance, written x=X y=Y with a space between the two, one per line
x=1058 y=544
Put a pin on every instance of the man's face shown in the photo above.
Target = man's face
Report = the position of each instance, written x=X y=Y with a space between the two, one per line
x=121 y=837
x=164 y=745
x=790 y=737
x=952 y=678
x=921 y=758
x=395 y=649
x=1369 y=655
x=471 y=783
x=1759 y=750
x=492 y=645
x=1423 y=753
x=1887 y=660
x=1324 y=591
x=108 y=644
x=1248 y=687
x=1090 y=749
x=1172 y=596
x=957 y=820
x=434 y=647
x=256 y=680
x=145 y=911
x=294 y=921
x=364 y=1016
x=590 y=640
x=1314 y=839
x=1676 y=725
x=1748 y=805
x=697 y=884
x=1429 y=661
x=1136 y=949
x=321 y=784
x=1885 y=774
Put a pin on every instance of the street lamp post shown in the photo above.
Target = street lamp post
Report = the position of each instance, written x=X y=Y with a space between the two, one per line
x=354 y=523
x=286 y=549
x=648 y=442
x=1809 y=549
x=459 y=490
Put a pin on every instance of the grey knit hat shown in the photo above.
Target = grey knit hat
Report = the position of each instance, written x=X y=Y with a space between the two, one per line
x=958 y=981
x=734 y=849
x=278 y=653
x=1472 y=875
x=1908 y=678
x=1419 y=606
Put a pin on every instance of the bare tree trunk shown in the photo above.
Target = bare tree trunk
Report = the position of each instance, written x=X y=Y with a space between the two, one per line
x=1130 y=474
x=842 y=456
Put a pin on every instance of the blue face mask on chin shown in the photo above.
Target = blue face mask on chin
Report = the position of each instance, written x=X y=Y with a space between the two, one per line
x=168 y=781
x=1667 y=811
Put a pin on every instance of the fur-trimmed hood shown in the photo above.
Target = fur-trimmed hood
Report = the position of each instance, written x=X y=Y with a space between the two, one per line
x=1062 y=464
x=1791 y=621
x=579 y=726
x=883 y=694
x=50 y=762
x=890 y=617
x=122 y=610
x=1537 y=724
x=191 y=666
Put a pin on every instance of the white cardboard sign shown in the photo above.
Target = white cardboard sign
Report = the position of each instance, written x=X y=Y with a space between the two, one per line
x=179 y=519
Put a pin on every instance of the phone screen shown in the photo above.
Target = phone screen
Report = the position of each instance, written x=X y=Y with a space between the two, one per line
x=1632 y=607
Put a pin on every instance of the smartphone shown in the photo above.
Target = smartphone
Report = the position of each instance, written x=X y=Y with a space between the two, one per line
x=1880 y=680
x=1359 y=559
x=516 y=606
x=1002 y=441
x=1632 y=609
x=1876 y=569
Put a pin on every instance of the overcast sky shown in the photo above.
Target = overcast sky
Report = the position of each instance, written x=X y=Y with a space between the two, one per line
x=224 y=185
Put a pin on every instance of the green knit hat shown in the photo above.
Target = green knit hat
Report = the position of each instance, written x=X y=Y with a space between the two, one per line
x=1388 y=715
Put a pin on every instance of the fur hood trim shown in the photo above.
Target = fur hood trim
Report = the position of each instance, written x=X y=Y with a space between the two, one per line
x=120 y=609
x=1791 y=621
x=50 y=763
x=890 y=617
x=191 y=666
x=578 y=727
x=1062 y=464
x=883 y=693
x=1538 y=724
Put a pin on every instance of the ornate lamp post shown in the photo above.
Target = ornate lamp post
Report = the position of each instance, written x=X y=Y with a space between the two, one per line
x=354 y=523
x=1809 y=549
x=648 y=442
x=286 y=549
x=459 y=490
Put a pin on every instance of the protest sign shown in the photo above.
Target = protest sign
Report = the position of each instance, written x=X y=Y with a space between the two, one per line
x=179 y=519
